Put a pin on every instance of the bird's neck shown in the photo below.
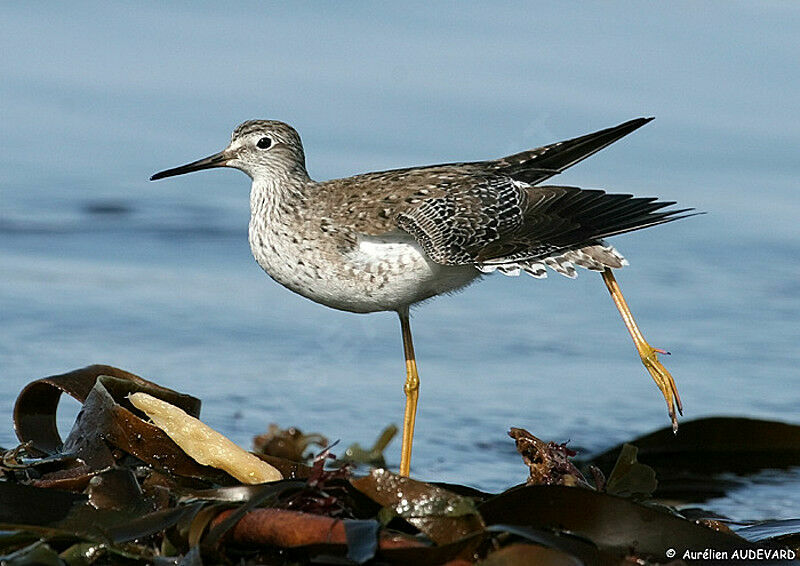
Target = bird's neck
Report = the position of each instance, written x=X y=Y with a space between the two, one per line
x=278 y=194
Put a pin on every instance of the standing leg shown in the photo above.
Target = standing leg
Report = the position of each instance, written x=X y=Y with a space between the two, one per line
x=411 y=389
x=649 y=355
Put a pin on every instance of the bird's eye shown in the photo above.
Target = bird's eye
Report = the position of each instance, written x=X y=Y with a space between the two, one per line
x=264 y=143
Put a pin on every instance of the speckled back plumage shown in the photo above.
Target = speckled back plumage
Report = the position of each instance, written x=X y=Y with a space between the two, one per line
x=489 y=213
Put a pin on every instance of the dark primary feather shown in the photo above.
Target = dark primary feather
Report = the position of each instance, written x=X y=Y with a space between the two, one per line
x=536 y=165
x=567 y=218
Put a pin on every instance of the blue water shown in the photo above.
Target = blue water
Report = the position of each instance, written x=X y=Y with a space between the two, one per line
x=97 y=265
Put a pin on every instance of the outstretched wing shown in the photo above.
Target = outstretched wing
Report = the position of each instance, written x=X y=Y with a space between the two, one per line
x=490 y=212
x=497 y=216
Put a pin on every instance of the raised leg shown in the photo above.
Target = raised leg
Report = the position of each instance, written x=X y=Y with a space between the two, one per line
x=411 y=389
x=649 y=355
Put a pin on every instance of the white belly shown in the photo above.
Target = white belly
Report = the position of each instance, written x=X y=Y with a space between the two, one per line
x=378 y=274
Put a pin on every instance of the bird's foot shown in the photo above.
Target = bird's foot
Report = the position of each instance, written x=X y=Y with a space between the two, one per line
x=663 y=379
x=649 y=355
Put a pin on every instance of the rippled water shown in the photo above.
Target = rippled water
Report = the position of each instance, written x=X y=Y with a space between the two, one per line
x=99 y=266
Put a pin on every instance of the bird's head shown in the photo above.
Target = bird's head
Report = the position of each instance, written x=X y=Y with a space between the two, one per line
x=263 y=149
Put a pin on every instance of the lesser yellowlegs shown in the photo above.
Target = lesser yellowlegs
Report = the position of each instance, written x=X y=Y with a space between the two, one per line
x=385 y=241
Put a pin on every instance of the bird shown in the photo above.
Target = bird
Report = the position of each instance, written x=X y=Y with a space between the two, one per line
x=389 y=240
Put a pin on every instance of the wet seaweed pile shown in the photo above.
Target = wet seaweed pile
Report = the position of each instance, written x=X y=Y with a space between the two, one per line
x=118 y=490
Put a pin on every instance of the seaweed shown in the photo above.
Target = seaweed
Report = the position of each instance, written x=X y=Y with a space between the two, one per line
x=119 y=491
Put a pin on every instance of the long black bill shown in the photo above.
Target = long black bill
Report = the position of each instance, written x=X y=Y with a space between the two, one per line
x=217 y=160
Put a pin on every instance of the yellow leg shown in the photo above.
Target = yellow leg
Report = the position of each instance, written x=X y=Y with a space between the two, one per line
x=649 y=355
x=411 y=389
